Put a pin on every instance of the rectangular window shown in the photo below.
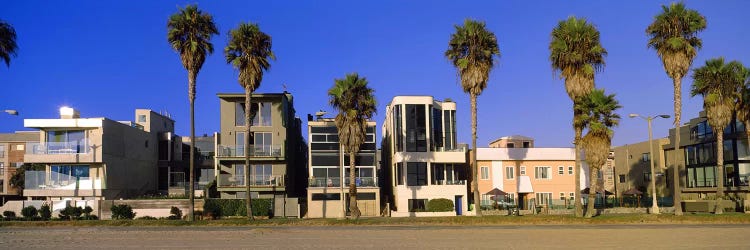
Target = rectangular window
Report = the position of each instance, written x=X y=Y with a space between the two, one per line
x=646 y=176
x=416 y=128
x=570 y=170
x=560 y=170
x=562 y=196
x=437 y=130
x=509 y=173
x=400 y=173
x=260 y=114
x=485 y=173
x=239 y=175
x=572 y=195
x=523 y=170
x=141 y=118
x=622 y=178
x=543 y=198
x=645 y=157
x=417 y=205
x=68 y=175
x=416 y=174
x=438 y=174
x=398 y=129
x=542 y=173
x=526 y=144
x=326 y=197
x=510 y=145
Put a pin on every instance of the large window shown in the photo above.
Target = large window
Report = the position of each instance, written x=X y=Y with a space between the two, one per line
x=449 y=126
x=262 y=118
x=65 y=175
x=485 y=173
x=398 y=128
x=509 y=173
x=416 y=173
x=543 y=198
x=542 y=173
x=437 y=129
x=66 y=141
x=416 y=128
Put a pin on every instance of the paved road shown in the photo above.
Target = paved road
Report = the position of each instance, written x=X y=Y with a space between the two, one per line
x=383 y=237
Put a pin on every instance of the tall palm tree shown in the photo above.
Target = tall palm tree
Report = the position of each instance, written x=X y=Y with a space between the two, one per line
x=597 y=112
x=356 y=104
x=8 y=44
x=189 y=32
x=719 y=84
x=473 y=50
x=674 y=36
x=249 y=51
x=743 y=106
x=576 y=54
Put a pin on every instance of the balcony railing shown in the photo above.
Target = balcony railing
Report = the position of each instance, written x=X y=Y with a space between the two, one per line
x=229 y=180
x=448 y=182
x=36 y=180
x=57 y=148
x=255 y=150
x=336 y=182
x=444 y=149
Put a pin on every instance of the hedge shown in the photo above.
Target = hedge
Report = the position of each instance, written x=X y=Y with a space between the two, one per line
x=236 y=207
x=440 y=205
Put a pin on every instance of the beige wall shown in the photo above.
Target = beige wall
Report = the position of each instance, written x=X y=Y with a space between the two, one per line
x=517 y=143
x=334 y=208
x=630 y=166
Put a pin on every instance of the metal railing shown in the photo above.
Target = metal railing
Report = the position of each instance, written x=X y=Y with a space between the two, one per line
x=229 y=180
x=255 y=150
x=35 y=180
x=336 y=182
x=57 y=148
x=448 y=182
x=444 y=149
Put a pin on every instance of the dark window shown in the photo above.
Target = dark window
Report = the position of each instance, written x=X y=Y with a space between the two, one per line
x=417 y=205
x=447 y=129
x=325 y=130
x=398 y=129
x=329 y=159
x=416 y=173
x=318 y=138
x=163 y=150
x=324 y=146
x=366 y=196
x=400 y=173
x=510 y=145
x=622 y=178
x=326 y=197
x=370 y=130
x=526 y=144
x=646 y=177
x=438 y=174
x=437 y=129
x=361 y=160
x=416 y=129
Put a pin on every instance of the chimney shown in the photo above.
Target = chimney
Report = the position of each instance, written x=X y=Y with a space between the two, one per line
x=69 y=113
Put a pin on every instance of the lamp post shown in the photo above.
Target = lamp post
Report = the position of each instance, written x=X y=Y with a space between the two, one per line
x=654 y=205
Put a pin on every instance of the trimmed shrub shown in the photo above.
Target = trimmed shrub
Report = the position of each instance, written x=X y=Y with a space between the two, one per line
x=122 y=212
x=236 y=207
x=45 y=212
x=87 y=213
x=176 y=213
x=440 y=205
x=9 y=215
x=70 y=213
x=29 y=212
x=146 y=218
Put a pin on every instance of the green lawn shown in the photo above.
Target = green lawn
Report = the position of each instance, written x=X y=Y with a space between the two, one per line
x=729 y=218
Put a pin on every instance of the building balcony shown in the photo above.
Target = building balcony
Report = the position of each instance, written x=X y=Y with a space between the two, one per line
x=42 y=183
x=230 y=180
x=256 y=151
x=336 y=182
x=61 y=152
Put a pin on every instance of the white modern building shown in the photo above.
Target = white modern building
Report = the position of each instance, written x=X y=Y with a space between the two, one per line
x=421 y=158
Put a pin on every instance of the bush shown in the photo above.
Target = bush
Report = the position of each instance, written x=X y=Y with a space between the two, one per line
x=9 y=215
x=440 y=205
x=146 y=218
x=29 y=212
x=211 y=190
x=45 y=212
x=176 y=213
x=87 y=213
x=122 y=212
x=236 y=207
x=70 y=213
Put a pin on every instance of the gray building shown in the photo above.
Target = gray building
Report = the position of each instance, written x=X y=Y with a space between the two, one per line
x=277 y=153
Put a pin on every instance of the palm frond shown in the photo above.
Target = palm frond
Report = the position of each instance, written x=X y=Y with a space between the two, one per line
x=473 y=50
x=674 y=36
x=576 y=54
x=8 y=46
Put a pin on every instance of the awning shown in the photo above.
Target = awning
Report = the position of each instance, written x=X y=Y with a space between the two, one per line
x=524 y=184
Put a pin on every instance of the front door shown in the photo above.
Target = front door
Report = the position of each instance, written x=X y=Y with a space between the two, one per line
x=459 y=204
x=521 y=201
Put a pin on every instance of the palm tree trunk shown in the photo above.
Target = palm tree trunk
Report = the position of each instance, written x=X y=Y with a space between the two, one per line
x=474 y=182
x=576 y=172
x=353 y=188
x=248 y=109
x=590 y=209
x=720 y=169
x=192 y=75
x=676 y=166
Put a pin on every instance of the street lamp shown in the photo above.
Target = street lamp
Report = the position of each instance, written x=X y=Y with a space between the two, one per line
x=11 y=111
x=654 y=205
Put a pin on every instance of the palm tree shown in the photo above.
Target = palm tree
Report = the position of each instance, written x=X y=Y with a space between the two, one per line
x=743 y=107
x=8 y=44
x=473 y=50
x=576 y=55
x=249 y=51
x=189 y=33
x=356 y=104
x=719 y=84
x=597 y=112
x=674 y=36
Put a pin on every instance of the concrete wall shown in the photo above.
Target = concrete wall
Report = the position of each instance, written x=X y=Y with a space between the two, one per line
x=334 y=208
x=130 y=157
x=404 y=193
x=630 y=165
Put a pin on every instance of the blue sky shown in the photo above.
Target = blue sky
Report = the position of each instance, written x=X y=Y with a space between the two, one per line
x=106 y=58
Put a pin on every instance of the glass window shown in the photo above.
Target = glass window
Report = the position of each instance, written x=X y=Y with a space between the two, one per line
x=743 y=152
x=485 y=173
x=570 y=170
x=646 y=176
x=416 y=129
x=744 y=173
x=542 y=173
x=141 y=118
x=645 y=157
x=509 y=173
x=523 y=170
x=562 y=196
x=260 y=114
x=398 y=129
x=622 y=178
x=543 y=198
x=438 y=174
x=265 y=114
x=437 y=129
x=400 y=173
x=416 y=173
x=560 y=170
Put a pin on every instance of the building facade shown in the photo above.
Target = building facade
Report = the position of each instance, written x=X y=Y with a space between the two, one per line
x=513 y=141
x=329 y=172
x=633 y=168
x=12 y=150
x=95 y=158
x=277 y=153
x=421 y=157
x=530 y=176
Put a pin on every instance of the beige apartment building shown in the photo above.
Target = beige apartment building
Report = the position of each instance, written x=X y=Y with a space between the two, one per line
x=633 y=168
x=329 y=172
x=513 y=141
x=12 y=149
x=277 y=149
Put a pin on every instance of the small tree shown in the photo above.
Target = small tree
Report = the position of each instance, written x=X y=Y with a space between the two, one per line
x=29 y=212
x=70 y=213
x=45 y=212
x=87 y=212
x=122 y=212
x=176 y=213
